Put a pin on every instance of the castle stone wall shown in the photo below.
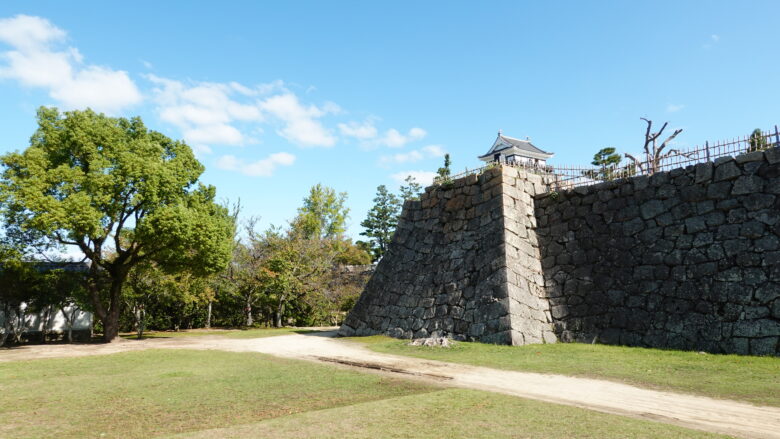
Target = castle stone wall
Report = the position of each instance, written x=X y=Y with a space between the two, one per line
x=684 y=259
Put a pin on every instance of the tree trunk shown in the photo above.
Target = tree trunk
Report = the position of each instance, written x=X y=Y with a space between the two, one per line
x=45 y=323
x=111 y=319
x=248 y=309
x=71 y=321
x=6 y=323
x=19 y=327
x=208 y=316
x=140 y=321
x=278 y=316
x=70 y=316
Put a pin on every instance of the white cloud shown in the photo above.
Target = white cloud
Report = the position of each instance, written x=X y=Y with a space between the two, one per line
x=434 y=150
x=206 y=112
x=214 y=134
x=425 y=178
x=37 y=59
x=260 y=168
x=362 y=131
x=300 y=123
x=27 y=32
x=369 y=136
x=394 y=139
x=426 y=152
x=673 y=108
x=715 y=38
x=212 y=113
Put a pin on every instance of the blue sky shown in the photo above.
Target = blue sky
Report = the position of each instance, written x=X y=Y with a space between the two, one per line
x=278 y=97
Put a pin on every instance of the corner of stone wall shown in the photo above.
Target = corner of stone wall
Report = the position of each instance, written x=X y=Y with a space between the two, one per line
x=529 y=310
x=445 y=269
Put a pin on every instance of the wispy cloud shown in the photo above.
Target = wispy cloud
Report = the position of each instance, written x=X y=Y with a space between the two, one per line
x=673 y=108
x=369 y=136
x=713 y=40
x=300 y=123
x=205 y=112
x=210 y=113
x=394 y=139
x=426 y=152
x=260 y=168
x=359 y=130
x=39 y=58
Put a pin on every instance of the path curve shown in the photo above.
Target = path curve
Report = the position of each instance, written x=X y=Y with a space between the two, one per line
x=698 y=412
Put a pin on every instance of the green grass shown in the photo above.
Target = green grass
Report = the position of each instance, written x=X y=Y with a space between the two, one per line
x=452 y=413
x=223 y=394
x=231 y=333
x=141 y=394
x=745 y=378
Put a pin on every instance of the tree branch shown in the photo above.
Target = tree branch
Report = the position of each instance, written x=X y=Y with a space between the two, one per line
x=647 y=135
x=669 y=139
x=637 y=163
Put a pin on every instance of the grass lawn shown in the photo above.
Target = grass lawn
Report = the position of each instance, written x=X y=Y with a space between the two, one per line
x=139 y=394
x=232 y=333
x=166 y=392
x=452 y=413
x=745 y=378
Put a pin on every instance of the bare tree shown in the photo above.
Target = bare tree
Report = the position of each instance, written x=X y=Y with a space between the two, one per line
x=653 y=151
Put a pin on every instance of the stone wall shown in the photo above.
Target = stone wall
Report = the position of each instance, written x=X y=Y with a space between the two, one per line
x=443 y=271
x=684 y=259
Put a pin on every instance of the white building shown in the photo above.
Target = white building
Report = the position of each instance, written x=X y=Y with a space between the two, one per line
x=515 y=151
x=58 y=323
x=33 y=324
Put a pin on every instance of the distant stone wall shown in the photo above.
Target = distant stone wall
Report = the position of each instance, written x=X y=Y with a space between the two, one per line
x=684 y=259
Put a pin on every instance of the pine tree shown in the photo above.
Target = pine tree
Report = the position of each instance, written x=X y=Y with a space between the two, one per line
x=757 y=141
x=381 y=221
x=607 y=161
x=443 y=173
x=412 y=189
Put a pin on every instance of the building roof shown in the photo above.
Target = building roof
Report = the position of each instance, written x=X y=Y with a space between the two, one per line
x=517 y=146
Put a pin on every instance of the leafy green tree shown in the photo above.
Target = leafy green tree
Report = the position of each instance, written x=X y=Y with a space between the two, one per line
x=293 y=270
x=246 y=271
x=348 y=253
x=17 y=287
x=161 y=300
x=364 y=245
x=323 y=214
x=55 y=288
x=381 y=221
x=120 y=193
x=757 y=141
x=68 y=296
x=411 y=190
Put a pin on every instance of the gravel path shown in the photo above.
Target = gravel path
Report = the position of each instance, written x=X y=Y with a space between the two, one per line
x=702 y=413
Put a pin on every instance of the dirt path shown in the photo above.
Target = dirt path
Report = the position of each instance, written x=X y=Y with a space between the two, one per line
x=702 y=413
